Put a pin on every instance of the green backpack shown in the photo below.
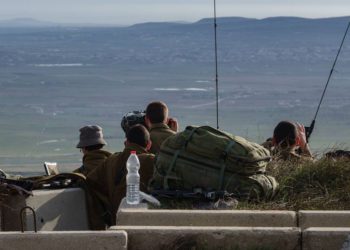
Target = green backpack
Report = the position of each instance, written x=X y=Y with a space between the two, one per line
x=213 y=160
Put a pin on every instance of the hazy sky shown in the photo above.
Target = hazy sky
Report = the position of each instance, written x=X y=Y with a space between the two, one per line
x=134 y=11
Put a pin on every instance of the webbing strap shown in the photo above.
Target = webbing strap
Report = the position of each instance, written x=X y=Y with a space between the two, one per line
x=223 y=164
x=176 y=155
x=189 y=137
x=172 y=164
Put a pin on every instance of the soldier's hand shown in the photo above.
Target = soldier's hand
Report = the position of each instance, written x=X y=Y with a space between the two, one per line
x=301 y=136
x=173 y=124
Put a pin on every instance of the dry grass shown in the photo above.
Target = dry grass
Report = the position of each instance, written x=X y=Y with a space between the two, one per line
x=324 y=185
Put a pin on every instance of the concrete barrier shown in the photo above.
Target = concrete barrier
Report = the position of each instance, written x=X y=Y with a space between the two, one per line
x=170 y=237
x=325 y=218
x=68 y=240
x=217 y=218
x=316 y=238
x=56 y=210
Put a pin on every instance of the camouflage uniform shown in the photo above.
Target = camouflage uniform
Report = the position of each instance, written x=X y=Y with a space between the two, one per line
x=91 y=160
x=103 y=187
x=159 y=132
x=290 y=154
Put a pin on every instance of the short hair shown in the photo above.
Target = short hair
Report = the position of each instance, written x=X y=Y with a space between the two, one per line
x=285 y=134
x=139 y=135
x=157 y=112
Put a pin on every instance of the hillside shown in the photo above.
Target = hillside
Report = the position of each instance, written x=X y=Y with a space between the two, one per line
x=281 y=40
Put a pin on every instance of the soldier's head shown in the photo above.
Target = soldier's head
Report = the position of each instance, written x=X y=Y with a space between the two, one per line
x=285 y=134
x=91 y=138
x=156 y=112
x=139 y=135
x=132 y=118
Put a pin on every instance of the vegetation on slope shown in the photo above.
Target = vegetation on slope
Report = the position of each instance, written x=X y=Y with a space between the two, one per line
x=324 y=185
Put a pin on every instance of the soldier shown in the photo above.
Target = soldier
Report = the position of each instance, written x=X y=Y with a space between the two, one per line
x=90 y=144
x=289 y=142
x=107 y=183
x=159 y=125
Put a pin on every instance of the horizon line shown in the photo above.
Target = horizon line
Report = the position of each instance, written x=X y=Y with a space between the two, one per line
x=101 y=24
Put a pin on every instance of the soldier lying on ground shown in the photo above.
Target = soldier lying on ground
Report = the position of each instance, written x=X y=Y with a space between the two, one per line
x=107 y=183
x=91 y=143
x=159 y=124
x=289 y=142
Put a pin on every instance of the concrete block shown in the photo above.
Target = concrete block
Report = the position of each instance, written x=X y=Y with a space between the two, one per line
x=73 y=240
x=240 y=218
x=125 y=205
x=59 y=209
x=63 y=209
x=326 y=238
x=318 y=218
x=170 y=237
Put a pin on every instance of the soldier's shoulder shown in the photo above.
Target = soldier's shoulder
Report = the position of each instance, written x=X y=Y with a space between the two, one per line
x=112 y=158
x=171 y=132
x=113 y=155
x=146 y=156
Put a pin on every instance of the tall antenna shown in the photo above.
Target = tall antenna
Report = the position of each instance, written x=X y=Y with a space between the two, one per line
x=310 y=129
x=216 y=69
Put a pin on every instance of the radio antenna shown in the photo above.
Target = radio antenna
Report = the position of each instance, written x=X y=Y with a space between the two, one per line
x=216 y=68
x=311 y=128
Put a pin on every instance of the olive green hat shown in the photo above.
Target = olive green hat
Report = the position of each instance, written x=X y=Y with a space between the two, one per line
x=91 y=135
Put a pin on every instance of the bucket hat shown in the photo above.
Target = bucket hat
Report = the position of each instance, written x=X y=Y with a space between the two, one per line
x=91 y=135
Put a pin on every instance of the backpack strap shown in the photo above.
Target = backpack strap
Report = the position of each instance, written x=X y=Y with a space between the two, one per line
x=223 y=163
x=176 y=155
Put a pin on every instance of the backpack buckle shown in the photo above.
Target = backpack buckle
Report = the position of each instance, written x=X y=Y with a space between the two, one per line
x=210 y=195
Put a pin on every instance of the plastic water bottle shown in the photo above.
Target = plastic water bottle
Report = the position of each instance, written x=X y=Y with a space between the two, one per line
x=133 y=179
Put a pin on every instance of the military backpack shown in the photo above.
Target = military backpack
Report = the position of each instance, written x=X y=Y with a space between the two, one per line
x=211 y=159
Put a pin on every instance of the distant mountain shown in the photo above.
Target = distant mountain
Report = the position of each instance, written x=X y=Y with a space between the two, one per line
x=26 y=22
x=156 y=25
x=255 y=42
x=226 y=20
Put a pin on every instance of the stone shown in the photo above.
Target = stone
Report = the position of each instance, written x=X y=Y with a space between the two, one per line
x=68 y=240
x=170 y=237
x=242 y=218
x=326 y=238
x=318 y=218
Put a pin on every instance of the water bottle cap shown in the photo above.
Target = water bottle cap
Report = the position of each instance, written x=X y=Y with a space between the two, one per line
x=133 y=152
